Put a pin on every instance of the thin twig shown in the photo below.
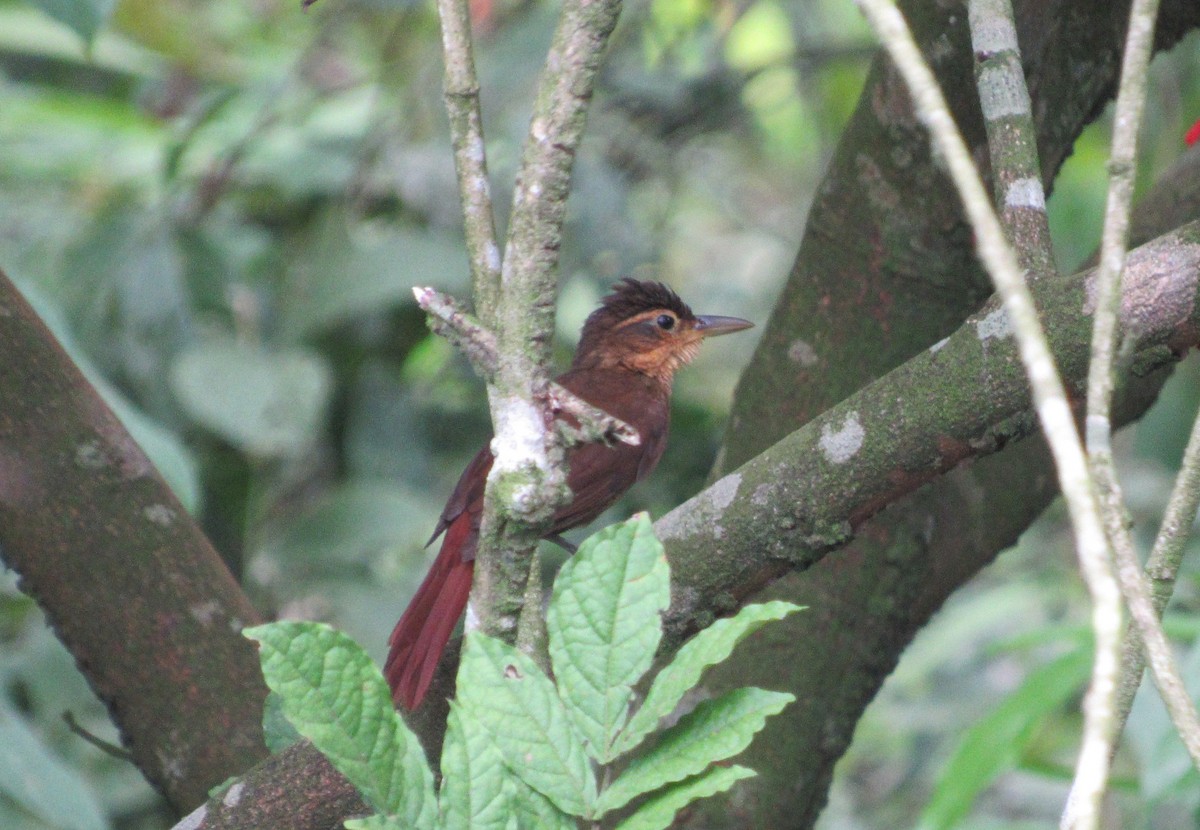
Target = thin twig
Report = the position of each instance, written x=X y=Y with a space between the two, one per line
x=118 y=752
x=1129 y=107
x=1162 y=566
x=1012 y=138
x=1049 y=397
x=461 y=92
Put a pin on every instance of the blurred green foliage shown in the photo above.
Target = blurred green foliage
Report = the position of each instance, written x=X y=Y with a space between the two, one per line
x=222 y=207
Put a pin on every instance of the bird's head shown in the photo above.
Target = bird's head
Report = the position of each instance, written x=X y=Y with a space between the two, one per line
x=645 y=327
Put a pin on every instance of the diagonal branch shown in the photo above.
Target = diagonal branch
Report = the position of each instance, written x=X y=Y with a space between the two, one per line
x=965 y=397
x=96 y=535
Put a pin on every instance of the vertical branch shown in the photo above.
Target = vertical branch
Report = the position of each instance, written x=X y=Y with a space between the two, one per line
x=1012 y=138
x=527 y=474
x=461 y=91
x=1050 y=399
x=514 y=296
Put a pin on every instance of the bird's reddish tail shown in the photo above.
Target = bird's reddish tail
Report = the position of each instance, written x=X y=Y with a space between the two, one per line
x=419 y=638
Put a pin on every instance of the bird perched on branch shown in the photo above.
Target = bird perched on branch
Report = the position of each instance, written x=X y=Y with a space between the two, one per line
x=628 y=353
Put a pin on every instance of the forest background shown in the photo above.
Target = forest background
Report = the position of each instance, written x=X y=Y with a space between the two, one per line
x=221 y=209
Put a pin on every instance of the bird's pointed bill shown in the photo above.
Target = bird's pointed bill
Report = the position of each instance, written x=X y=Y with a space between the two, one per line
x=710 y=325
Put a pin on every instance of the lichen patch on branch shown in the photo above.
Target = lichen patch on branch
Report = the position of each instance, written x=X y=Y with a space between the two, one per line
x=842 y=444
x=703 y=514
x=1025 y=192
x=995 y=324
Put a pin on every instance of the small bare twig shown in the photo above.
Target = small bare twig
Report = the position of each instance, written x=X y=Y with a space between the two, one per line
x=118 y=752
x=449 y=320
x=1162 y=566
x=1130 y=105
x=591 y=424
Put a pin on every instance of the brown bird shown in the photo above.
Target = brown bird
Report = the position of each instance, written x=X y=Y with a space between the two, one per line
x=628 y=354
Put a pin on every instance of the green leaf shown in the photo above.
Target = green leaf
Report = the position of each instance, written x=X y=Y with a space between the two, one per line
x=375 y=822
x=710 y=646
x=477 y=791
x=41 y=783
x=514 y=700
x=335 y=696
x=604 y=625
x=713 y=731
x=84 y=17
x=996 y=743
x=277 y=729
x=658 y=812
x=268 y=403
x=533 y=811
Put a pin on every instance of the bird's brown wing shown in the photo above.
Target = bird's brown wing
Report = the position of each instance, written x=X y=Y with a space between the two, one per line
x=467 y=498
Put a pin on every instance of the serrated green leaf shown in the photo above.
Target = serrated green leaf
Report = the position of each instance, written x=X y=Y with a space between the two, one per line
x=268 y=403
x=533 y=811
x=335 y=696
x=517 y=704
x=710 y=646
x=713 y=731
x=477 y=791
x=658 y=812
x=375 y=822
x=995 y=743
x=604 y=625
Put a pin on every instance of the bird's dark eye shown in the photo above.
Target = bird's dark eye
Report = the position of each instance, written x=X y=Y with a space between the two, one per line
x=665 y=322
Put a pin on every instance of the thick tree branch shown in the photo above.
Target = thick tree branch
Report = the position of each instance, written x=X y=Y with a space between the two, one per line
x=963 y=398
x=128 y=581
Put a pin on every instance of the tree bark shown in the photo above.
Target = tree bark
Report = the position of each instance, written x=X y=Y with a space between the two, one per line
x=128 y=581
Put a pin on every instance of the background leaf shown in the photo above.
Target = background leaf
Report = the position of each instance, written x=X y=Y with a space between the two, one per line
x=268 y=403
x=604 y=625
x=84 y=17
x=40 y=782
x=335 y=696
x=995 y=743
